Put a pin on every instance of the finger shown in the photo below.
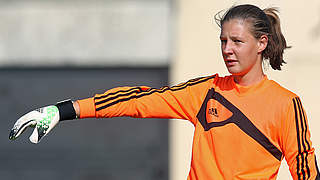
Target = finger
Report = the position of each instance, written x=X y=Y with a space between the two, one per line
x=15 y=132
x=35 y=138
x=22 y=123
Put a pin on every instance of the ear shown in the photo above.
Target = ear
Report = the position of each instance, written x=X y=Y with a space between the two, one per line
x=262 y=43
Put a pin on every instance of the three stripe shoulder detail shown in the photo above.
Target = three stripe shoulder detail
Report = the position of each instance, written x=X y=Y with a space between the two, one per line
x=106 y=100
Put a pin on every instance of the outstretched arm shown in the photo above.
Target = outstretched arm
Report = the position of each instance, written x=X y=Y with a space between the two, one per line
x=178 y=102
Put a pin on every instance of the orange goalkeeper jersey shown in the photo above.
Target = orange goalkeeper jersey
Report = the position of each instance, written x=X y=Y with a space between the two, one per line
x=240 y=132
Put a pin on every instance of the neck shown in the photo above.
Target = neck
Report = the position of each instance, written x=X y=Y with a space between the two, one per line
x=249 y=78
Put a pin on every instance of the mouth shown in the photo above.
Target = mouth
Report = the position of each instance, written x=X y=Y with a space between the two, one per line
x=230 y=62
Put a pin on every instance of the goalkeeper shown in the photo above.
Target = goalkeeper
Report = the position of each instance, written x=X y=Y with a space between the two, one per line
x=245 y=124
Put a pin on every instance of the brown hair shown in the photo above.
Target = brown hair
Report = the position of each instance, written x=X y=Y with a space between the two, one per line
x=264 y=22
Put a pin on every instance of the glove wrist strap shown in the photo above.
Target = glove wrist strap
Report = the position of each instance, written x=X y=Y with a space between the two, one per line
x=66 y=110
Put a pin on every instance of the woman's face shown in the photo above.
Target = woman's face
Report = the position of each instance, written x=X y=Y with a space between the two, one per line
x=240 y=49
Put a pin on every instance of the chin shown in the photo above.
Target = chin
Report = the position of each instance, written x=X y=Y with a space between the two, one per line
x=234 y=71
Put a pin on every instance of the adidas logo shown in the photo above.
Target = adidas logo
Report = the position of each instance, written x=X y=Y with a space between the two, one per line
x=213 y=111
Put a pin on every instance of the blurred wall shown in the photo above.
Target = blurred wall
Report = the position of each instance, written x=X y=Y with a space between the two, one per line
x=197 y=53
x=84 y=33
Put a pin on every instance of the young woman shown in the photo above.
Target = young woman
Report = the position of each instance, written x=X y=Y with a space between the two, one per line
x=245 y=124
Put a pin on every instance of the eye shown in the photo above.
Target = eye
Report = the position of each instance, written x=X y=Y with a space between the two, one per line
x=223 y=41
x=237 y=41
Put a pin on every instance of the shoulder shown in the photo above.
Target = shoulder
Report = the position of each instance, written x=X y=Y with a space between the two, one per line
x=198 y=81
x=195 y=85
x=280 y=91
x=281 y=96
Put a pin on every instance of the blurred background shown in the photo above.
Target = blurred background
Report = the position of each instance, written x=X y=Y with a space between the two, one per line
x=51 y=50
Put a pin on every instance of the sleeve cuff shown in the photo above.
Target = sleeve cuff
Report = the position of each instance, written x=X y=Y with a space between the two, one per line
x=87 y=108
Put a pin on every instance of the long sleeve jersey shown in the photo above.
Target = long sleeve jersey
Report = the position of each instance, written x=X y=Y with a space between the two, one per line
x=240 y=132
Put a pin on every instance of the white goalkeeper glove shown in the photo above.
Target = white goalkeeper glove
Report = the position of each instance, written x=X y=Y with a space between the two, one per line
x=43 y=120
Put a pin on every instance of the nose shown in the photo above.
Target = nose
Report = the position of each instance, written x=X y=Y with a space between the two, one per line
x=227 y=48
